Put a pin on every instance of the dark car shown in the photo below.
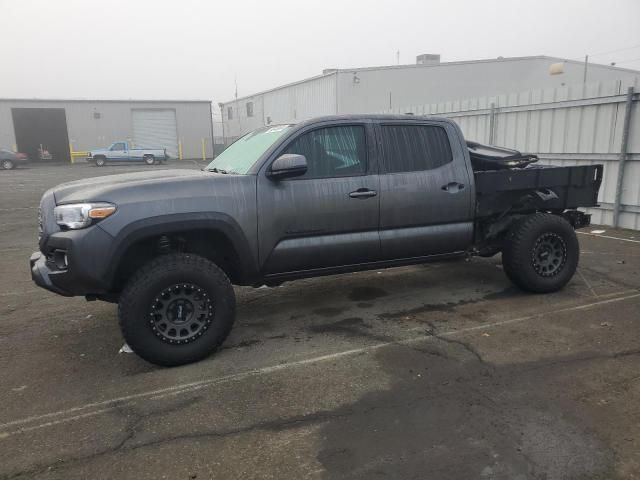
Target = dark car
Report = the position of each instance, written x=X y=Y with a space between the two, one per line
x=10 y=159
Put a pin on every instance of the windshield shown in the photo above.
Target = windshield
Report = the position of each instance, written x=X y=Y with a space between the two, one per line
x=240 y=156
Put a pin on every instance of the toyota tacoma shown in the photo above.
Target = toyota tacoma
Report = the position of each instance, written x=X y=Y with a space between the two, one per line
x=326 y=196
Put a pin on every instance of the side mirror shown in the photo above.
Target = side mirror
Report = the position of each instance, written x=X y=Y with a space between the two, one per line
x=287 y=166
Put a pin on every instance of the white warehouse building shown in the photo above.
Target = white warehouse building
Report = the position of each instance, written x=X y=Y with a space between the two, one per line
x=375 y=89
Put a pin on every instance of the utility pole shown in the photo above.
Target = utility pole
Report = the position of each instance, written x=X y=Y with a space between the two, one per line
x=626 y=128
x=586 y=64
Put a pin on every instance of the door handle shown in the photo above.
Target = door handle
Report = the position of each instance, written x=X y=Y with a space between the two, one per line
x=363 y=193
x=453 y=187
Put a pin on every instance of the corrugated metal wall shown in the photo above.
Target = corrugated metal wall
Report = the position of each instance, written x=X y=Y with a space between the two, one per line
x=577 y=125
x=114 y=122
x=288 y=104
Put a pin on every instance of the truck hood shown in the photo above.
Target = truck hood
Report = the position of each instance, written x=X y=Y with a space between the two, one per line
x=109 y=188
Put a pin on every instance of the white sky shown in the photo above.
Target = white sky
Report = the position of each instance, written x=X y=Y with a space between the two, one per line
x=194 y=49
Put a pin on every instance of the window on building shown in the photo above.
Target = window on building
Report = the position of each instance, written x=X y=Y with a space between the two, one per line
x=229 y=113
x=332 y=151
x=249 y=109
x=411 y=148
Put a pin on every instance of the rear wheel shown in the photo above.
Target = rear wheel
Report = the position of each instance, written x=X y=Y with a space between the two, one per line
x=100 y=161
x=177 y=309
x=541 y=253
x=149 y=159
x=8 y=164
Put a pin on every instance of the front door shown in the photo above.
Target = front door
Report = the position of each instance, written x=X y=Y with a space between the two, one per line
x=328 y=216
x=118 y=152
x=426 y=194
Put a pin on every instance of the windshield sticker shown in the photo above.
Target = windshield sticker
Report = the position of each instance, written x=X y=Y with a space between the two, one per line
x=277 y=129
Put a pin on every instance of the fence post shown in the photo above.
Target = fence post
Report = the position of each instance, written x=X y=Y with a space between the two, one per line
x=204 y=155
x=623 y=156
x=492 y=123
x=179 y=149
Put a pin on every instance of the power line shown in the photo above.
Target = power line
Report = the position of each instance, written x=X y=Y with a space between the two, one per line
x=614 y=51
x=606 y=53
x=628 y=60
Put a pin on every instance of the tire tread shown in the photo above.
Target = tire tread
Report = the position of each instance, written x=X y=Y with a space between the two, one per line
x=516 y=253
x=164 y=264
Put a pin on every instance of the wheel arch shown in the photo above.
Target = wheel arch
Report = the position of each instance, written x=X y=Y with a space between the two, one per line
x=211 y=235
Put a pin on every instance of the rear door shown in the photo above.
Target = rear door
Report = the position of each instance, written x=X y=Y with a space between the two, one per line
x=329 y=216
x=426 y=194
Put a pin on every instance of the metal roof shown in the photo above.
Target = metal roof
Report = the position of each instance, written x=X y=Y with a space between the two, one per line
x=83 y=100
x=335 y=71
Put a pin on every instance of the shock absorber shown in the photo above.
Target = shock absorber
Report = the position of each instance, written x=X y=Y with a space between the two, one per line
x=164 y=244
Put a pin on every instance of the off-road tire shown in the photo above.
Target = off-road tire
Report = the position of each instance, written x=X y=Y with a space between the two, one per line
x=524 y=248
x=149 y=159
x=139 y=297
x=100 y=161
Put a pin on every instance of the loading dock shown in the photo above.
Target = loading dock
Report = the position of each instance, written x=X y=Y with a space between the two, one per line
x=64 y=126
x=41 y=128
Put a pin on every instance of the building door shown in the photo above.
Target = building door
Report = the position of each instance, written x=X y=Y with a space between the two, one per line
x=44 y=128
x=155 y=128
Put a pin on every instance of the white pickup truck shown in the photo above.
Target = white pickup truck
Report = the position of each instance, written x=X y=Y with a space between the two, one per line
x=124 y=152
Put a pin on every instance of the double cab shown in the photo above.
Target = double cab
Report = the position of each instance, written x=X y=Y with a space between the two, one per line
x=326 y=196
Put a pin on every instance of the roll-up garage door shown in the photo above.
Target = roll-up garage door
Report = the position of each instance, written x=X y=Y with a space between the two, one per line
x=155 y=129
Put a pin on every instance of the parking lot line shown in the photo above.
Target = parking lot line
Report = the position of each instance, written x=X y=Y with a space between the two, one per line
x=586 y=282
x=609 y=236
x=97 y=408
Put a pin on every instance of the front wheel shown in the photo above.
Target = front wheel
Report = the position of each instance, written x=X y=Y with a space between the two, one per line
x=541 y=253
x=177 y=309
x=8 y=165
x=100 y=161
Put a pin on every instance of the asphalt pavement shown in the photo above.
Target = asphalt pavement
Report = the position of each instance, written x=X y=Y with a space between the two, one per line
x=441 y=371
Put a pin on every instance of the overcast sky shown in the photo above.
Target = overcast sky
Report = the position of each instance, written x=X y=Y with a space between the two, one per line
x=190 y=49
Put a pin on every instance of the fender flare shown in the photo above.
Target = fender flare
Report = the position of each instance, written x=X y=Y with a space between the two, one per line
x=163 y=224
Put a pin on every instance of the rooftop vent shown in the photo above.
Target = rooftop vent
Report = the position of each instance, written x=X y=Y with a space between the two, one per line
x=428 y=59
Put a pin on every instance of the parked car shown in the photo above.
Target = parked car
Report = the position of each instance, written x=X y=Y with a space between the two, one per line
x=124 y=152
x=330 y=195
x=10 y=159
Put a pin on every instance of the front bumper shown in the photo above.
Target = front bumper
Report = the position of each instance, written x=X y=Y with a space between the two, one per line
x=73 y=262
x=41 y=274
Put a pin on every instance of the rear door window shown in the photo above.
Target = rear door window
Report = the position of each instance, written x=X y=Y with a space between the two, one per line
x=411 y=148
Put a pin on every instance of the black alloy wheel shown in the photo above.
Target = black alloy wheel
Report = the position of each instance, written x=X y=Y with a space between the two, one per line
x=181 y=313
x=549 y=254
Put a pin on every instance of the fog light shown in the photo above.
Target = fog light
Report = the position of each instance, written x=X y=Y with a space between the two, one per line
x=60 y=259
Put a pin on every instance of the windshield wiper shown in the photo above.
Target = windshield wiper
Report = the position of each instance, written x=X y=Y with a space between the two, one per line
x=217 y=170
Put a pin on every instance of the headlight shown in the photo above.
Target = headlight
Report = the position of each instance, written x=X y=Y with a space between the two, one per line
x=81 y=215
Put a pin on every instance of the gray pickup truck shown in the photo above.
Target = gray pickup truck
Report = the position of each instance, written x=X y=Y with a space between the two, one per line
x=330 y=195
